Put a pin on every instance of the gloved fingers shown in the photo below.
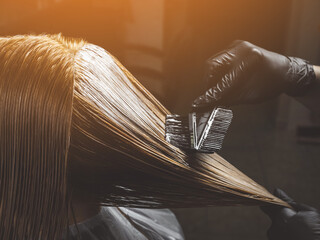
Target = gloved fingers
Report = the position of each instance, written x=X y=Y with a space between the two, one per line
x=297 y=206
x=283 y=196
x=219 y=64
x=207 y=100
x=287 y=213
x=236 y=50
x=221 y=61
x=228 y=90
x=237 y=77
x=303 y=207
x=212 y=98
x=278 y=214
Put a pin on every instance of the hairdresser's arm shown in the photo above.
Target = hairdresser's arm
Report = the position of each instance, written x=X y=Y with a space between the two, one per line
x=312 y=98
x=245 y=73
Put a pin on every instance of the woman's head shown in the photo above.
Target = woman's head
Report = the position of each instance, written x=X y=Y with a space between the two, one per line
x=72 y=118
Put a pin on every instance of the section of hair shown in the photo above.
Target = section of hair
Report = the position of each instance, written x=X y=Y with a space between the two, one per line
x=119 y=153
x=36 y=92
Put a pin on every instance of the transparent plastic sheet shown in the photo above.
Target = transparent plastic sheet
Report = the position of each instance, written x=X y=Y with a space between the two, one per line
x=126 y=224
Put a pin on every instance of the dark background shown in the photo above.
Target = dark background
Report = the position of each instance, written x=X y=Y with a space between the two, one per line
x=164 y=43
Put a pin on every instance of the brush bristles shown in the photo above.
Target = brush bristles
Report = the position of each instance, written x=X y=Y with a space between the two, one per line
x=177 y=131
x=179 y=134
x=218 y=130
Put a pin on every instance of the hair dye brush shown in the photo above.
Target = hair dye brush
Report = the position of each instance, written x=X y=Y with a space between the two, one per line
x=202 y=132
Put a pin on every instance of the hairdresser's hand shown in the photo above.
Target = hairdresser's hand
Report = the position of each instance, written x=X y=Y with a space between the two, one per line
x=245 y=73
x=302 y=223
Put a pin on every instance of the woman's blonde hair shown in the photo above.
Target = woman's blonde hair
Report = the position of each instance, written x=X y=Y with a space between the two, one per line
x=74 y=119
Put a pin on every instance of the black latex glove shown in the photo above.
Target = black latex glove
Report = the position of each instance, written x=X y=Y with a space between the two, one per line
x=246 y=73
x=302 y=223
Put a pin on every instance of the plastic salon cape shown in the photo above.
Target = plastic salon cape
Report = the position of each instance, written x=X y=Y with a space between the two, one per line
x=128 y=224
